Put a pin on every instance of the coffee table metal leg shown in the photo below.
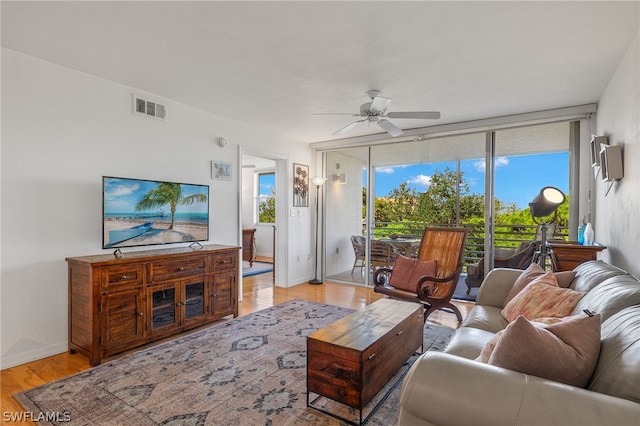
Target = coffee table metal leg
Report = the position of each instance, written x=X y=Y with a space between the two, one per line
x=361 y=411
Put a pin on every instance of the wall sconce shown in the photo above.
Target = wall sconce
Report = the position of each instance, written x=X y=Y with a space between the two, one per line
x=596 y=144
x=606 y=158
x=342 y=178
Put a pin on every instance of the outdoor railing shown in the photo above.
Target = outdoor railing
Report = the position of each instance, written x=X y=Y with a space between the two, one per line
x=506 y=236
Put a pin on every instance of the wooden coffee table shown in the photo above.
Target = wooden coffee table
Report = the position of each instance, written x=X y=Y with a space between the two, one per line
x=350 y=360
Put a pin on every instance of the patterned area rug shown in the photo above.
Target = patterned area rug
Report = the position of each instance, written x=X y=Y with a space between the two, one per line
x=248 y=371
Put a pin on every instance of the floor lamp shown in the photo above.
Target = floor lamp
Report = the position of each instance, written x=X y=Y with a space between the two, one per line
x=545 y=203
x=318 y=181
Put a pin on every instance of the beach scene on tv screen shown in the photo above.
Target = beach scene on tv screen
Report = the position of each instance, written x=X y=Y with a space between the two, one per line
x=142 y=212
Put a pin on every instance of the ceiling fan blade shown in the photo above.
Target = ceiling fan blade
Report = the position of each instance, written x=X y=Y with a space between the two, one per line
x=321 y=114
x=347 y=128
x=426 y=115
x=379 y=104
x=391 y=128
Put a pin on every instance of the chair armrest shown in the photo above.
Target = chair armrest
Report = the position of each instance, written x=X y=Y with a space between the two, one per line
x=423 y=287
x=437 y=382
x=496 y=285
x=381 y=275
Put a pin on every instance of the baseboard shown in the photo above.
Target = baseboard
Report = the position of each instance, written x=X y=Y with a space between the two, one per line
x=36 y=354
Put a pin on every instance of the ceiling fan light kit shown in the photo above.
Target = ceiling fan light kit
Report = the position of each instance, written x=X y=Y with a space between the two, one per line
x=376 y=112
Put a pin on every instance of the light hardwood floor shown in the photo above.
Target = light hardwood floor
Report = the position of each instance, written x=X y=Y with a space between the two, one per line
x=258 y=293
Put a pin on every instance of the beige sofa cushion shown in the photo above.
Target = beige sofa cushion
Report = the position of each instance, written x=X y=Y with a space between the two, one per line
x=611 y=296
x=467 y=342
x=485 y=317
x=592 y=273
x=618 y=371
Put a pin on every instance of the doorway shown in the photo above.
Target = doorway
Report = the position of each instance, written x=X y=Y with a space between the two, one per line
x=258 y=215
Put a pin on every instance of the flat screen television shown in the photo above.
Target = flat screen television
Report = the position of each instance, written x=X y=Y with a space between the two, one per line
x=138 y=212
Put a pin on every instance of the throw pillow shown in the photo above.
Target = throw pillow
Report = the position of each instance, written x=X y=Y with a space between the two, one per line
x=407 y=272
x=565 y=352
x=488 y=347
x=542 y=298
x=534 y=270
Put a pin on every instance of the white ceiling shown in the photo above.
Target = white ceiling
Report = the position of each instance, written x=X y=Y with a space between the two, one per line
x=274 y=64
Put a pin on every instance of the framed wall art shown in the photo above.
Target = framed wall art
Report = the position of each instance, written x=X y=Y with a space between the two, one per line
x=300 y=185
x=220 y=170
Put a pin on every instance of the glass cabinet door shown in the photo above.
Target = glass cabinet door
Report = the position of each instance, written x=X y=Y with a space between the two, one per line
x=163 y=308
x=194 y=300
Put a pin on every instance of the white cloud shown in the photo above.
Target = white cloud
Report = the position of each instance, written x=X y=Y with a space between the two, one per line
x=390 y=170
x=502 y=161
x=387 y=170
x=121 y=190
x=481 y=165
x=420 y=180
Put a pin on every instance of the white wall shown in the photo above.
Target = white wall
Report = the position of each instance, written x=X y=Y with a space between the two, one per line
x=344 y=211
x=618 y=214
x=62 y=131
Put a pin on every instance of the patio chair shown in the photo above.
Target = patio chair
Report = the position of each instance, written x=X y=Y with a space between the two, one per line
x=445 y=246
x=520 y=258
x=383 y=254
x=358 y=242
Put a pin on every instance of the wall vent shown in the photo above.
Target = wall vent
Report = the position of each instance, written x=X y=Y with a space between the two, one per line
x=149 y=108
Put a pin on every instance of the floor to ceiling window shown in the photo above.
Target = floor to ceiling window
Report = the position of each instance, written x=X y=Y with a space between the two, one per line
x=440 y=181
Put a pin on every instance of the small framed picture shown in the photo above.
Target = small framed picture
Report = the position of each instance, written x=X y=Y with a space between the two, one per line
x=220 y=170
x=300 y=185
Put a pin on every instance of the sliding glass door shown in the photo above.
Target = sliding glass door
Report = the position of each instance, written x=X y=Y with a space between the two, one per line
x=388 y=193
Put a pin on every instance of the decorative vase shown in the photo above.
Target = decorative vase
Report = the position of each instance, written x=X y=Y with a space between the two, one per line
x=588 y=235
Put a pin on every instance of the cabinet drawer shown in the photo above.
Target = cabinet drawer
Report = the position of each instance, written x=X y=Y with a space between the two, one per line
x=171 y=270
x=225 y=261
x=117 y=277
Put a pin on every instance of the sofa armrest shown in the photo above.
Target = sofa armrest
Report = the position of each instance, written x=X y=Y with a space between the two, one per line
x=443 y=389
x=496 y=286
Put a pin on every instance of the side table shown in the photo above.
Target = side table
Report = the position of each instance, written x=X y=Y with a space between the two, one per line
x=569 y=254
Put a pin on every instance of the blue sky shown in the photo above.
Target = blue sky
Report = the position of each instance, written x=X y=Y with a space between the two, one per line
x=518 y=178
x=122 y=195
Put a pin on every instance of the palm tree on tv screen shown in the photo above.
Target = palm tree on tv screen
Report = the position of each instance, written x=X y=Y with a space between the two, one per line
x=168 y=193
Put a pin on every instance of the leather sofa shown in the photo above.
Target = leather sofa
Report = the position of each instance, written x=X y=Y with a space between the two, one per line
x=452 y=388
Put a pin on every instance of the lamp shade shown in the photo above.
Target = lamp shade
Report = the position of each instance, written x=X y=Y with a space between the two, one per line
x=318 y=180
x=546 y=202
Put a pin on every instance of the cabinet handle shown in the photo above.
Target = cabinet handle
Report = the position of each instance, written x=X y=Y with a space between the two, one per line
x=140 y=314
x=179 y=304
x=215 y=294
x=400 y=332
x=372 y=356
x=181 y=268
x=123 y=277
x=223 y=262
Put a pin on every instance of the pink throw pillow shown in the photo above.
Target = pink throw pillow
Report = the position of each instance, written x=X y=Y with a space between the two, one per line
x=407 y=272
x=565 y=352
x=488 y=347
x=534 y=270
x=542 y=298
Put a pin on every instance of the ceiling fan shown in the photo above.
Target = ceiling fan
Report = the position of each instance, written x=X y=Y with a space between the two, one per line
x=376 y=112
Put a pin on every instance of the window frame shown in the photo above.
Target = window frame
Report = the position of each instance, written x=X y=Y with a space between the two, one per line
x=260 y=198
